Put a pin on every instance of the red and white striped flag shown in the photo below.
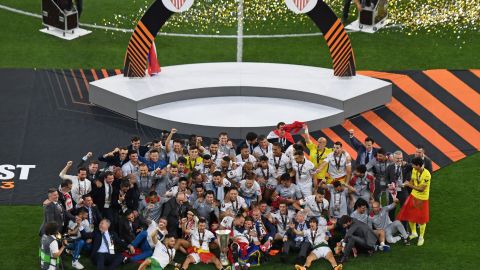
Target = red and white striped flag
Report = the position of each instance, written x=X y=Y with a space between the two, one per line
x=153 y=65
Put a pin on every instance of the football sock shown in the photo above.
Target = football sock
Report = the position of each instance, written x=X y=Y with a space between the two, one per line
x=422 y=229
x=413 y=227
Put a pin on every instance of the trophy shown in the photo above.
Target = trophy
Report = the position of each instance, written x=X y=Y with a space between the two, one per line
x=223 y=236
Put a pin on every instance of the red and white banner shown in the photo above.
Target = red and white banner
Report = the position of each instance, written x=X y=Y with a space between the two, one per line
x=301 y=6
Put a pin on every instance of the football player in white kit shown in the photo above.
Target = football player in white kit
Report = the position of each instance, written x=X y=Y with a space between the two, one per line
x=304 y=172
x=282 y=218
x=162 y=255
x=267 y=175
x=339 y=164
x=279 y=160
x=317 y=237
x=315 y=205
x=200 y=251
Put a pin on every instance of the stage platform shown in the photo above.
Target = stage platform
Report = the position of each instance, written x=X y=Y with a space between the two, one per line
x=239 y=97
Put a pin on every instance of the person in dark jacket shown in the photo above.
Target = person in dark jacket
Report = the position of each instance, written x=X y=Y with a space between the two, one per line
x=120 y=190
x=130 y=225
x=55 y=212
x=359 y=235
x=102 y=194
x=117 y=157
x=397 y=173
x=132 y=197
x=93 y=171
x=175 y=209
x=94 y=215
x=106 y=248
x=365 y=152
x=65 y=196
x=135 y=146
x=250 y=141
x=420 y=152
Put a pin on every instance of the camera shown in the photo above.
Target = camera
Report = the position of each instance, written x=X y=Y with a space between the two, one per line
x=65 y=238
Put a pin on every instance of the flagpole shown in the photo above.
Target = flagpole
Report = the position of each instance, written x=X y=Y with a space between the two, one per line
x=240 y=31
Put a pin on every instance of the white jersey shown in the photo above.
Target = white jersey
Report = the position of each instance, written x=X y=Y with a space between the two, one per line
x=249 y=192
x=235 y=206
x=250 y=158
x=130 y=168
x=84 y=225
x=79 y=188
x=314 y=208
x=337 y=165
x=282 y=220
x=162 y=254
x=171 y=193
x=206 y=171
x=338 y=202
x=258 y=151
x=317 y=237
x=243 y=235
x=292 y=192
x=227 y=222
x=281 y=164
x=201 y=240
x=238 y=174
x=172 y=155
x=303 y=173
x=216 y=158
x=269 y=174
x=303 y=176
x=151 y=228
x=289 y=152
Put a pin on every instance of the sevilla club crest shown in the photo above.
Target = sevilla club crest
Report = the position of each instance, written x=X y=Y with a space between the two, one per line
x=177 y=5
x=301 y=6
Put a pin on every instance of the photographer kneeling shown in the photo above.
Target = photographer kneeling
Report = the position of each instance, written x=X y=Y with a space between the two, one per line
x=49 y=251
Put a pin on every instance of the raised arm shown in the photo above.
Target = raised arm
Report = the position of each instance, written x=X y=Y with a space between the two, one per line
x=107 y=157
x=307 y=134
x=353 y=140
x=84 y=160
x=169 y=138
x=321 y=166
x=153 y=236
x=63 y=173
x=315 y=181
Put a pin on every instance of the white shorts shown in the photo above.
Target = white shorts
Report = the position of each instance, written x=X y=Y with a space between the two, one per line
x=321 y=252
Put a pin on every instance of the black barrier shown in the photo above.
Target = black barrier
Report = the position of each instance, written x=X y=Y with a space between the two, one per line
x=46 y=120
